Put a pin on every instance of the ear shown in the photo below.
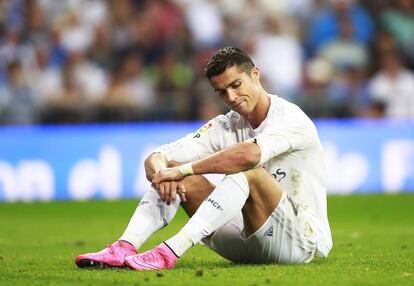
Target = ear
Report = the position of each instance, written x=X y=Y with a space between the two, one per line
x=255 y=73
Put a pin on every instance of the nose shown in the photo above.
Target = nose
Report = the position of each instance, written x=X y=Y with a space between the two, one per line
x=231 y=95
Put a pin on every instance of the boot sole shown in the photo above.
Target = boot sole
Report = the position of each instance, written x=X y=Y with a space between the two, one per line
x=88 y=263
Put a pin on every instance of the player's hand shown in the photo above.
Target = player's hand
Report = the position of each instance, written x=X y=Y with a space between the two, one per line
x=168 y=174
x=168 y=191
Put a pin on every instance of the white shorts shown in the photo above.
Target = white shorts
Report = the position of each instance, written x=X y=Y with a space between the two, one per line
x=287 y=237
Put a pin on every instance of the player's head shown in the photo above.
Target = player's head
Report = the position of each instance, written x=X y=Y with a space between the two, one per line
x=226 y=58
x=235 y=79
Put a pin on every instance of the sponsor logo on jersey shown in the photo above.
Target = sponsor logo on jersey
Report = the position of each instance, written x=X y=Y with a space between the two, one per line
x=279 y=175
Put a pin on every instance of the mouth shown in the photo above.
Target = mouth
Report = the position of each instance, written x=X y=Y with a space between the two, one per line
x=236 y=105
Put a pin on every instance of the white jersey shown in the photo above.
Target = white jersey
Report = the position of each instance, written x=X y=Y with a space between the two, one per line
x=290 y=151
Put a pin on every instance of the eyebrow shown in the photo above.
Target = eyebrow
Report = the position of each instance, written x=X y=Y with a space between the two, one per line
x=226 y=86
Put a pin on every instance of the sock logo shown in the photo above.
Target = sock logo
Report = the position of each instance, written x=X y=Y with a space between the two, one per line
x=163 y=214
x=215 y=204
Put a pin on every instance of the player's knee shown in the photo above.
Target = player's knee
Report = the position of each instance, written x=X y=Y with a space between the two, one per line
x=261 y=181
x=240 y=180
x=253 y=175
x=247 y=177
x=197 y=184
x=198 y=188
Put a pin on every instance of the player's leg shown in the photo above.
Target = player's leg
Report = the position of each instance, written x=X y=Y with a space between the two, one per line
x=264 y=196
x=273 y=228
x=257 y=195
x=229 y=240
x=219 y=208
x=198 y=188
x=254 y=192
x=151 y=215
x=288 y=236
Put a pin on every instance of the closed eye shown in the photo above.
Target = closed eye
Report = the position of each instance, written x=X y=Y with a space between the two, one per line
x=236 y=84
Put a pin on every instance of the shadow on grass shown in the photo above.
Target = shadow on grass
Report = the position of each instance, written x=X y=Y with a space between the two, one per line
x=224 y=264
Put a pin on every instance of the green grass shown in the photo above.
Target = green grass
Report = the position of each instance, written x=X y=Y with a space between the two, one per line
x=373 y=245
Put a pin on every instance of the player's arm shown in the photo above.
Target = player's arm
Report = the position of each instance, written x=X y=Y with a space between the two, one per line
x=167 y=190
x=234 y=159
x=157 y=161
x=153 y=163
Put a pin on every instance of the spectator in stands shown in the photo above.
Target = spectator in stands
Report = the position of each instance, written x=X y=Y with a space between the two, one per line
x=399 y=20
x=349 y=57
x=280 y=57
x=69 y=51
x=45 y=79
x=205 y=22
x=89 y=77
x=10 y=48
x=68 y=104
x=130 y=93
x=101 y=52
x=35 y=28
x=174 y=85
x=313 y=97
x=18 y=103
x=121 y=19
x=344 y=51
x=349 y=92
x=325 y=25
x=384 y=43
x=393 y=87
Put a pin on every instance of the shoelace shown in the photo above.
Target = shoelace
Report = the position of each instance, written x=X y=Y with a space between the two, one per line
x=152 y=256
x=111 y=249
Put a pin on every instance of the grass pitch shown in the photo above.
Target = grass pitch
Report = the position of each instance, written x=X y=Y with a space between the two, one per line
x=373 y=245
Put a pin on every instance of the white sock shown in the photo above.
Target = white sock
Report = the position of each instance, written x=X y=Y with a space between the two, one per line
x=179 y=243
x=151 y=215
x=223 y=204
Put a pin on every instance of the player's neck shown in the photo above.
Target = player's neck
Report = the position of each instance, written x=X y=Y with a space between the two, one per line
x=259 y=113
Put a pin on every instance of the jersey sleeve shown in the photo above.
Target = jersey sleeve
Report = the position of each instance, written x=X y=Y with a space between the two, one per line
x=273 y=143
x=205 y=141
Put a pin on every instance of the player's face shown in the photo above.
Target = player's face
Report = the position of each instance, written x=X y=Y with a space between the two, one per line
x=237 y=89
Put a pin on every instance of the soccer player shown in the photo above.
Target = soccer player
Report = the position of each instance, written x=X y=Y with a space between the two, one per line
x=270 y=207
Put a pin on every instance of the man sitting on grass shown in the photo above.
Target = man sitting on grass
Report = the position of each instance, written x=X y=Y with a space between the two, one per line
x=270 y=206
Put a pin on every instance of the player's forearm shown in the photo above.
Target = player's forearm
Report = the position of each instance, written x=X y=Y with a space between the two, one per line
x=154 y=163
x=237 y=158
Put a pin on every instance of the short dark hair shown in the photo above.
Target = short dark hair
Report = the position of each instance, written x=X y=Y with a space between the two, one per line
x=226 y=58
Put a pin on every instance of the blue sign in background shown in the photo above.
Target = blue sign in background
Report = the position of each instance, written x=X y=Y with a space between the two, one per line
x=106 y=161
x=372 y=142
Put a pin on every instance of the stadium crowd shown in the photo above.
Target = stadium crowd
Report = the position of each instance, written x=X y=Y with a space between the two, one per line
x=72 y=61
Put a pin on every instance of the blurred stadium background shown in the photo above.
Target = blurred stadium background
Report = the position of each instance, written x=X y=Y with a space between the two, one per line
x=83 y=81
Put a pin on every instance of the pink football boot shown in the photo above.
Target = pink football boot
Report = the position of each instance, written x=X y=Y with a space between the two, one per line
x=161 y=257
x=112 y=256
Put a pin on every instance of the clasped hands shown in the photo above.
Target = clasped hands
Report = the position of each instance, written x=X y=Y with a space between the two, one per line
x=168 y=182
